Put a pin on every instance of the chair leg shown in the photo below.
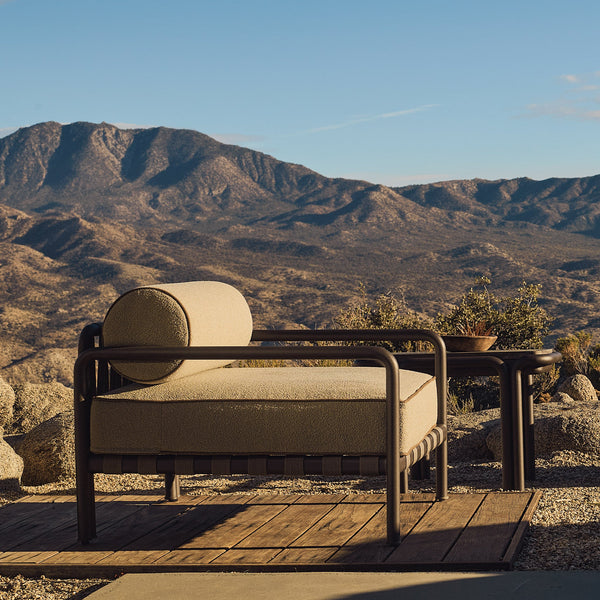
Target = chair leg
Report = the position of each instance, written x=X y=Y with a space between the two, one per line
x=441 y=471
x=404 y=482
x=420 y=470
x=86 y=507
x=172 y=487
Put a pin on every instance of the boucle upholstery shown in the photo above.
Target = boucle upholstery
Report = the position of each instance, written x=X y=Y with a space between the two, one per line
x=195 y=313
x=289 y=410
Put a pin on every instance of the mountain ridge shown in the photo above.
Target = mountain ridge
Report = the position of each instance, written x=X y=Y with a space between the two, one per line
x=89 y=210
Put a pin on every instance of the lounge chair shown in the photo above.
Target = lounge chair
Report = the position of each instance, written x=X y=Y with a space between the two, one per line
x=154 y=394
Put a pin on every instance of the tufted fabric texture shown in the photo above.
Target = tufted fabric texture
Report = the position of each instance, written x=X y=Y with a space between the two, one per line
x=194 y=313
x=270 y=410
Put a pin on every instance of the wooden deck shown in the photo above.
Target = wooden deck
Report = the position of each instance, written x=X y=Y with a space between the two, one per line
x=142 y=533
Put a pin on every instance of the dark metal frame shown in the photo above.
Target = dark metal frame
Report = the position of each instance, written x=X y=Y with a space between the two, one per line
x=93 y=375
x=514 y=369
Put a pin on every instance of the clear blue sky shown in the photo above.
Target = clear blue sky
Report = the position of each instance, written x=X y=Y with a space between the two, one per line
x=391 y=91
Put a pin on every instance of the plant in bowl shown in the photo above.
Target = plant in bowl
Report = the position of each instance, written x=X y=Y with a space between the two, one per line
x=470 y=325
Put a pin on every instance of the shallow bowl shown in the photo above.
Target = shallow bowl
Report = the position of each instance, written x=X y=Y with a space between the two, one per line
x=469 y=343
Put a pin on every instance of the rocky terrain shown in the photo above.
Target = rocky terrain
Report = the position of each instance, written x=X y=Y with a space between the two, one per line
x=88 y=211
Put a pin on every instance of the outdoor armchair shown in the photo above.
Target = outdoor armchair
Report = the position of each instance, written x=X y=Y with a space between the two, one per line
x=155 y=393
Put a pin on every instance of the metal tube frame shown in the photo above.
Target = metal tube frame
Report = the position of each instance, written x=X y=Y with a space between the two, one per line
x=85 y=388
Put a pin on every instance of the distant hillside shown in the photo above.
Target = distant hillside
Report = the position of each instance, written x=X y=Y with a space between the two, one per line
x=88 y=211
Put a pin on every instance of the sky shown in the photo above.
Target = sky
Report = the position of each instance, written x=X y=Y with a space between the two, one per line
x=392 y=91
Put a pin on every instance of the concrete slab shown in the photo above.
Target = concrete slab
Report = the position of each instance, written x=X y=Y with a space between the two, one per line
x=532 y=585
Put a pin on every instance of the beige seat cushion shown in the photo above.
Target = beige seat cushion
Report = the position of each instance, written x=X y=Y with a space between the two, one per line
x=289 y=410
x=193 y=313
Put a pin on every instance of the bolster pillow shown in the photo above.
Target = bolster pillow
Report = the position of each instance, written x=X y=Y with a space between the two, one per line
x=194 y=313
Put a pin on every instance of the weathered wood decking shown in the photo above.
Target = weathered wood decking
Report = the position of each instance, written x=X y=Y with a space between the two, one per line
x=263 y=533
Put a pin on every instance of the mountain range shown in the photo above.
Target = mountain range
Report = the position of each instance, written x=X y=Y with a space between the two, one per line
x=88 y=211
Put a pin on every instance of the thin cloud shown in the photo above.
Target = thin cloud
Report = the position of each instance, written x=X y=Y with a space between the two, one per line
x=388 y=115
x=564 y=109
x=570 y=78
x=580 y=102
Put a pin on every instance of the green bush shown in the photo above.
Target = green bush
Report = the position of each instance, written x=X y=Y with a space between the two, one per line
x=580 y=356
x=518 y=320
x=388 y=312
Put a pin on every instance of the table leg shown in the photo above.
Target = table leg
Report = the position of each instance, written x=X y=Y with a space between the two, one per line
x=528 y=426
x=507 y=424
x=517 y=429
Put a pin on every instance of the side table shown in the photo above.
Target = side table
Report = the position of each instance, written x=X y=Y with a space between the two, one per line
x=515 y=369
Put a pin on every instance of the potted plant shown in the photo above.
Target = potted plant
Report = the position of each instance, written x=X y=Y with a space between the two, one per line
x=470 y=326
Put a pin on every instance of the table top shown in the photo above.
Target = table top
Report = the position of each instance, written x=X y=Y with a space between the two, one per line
x=482 y=363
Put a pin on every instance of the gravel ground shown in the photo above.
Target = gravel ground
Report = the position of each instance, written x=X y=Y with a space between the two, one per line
x=563 y=535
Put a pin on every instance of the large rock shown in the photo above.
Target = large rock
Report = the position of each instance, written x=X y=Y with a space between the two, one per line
x=37 y=402
x=7 y=401
x=559 y=426
x=580 y=388
x=11 y=467
x=48 y=451
x=467 y=435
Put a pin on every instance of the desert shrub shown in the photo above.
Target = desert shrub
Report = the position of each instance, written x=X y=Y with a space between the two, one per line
x=517 y=320
x=387 y=312
x=580 y=356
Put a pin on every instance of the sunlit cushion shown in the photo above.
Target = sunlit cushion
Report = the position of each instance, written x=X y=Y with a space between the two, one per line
x=194 y=313
x=270 y=410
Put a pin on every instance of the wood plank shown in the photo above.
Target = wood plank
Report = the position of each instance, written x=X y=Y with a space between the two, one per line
x=48 y=498
x=304 y=555
x=234 y=529
x=196 y=556
x=26 y=508
x=321 y=498
x=185 y=526
x=495 y=522
x=344 y=531
x=231 y=498
x=59 y=514
x=286 y=527
x=123 y=531
x=275 y=498
x=372 y=498
x=254 y=556
x=433 y=536
x=369 y=545
x=132 y=557
x=365 y=498
x=77 y=557
x=50 y=542
x=519 y=535
x=338 y=526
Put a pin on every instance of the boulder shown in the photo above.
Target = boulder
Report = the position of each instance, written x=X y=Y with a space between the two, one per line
x=559 y=426
x=580 y=388
x=562 y=397
x=7 y=401
x=38 y=402
x=48 y=451
x=11 y=467
x=467 y=435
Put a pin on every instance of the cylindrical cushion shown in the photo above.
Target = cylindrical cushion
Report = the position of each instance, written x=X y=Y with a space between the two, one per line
x=194 y=313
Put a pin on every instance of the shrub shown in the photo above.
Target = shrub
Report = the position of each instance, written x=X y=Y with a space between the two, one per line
x=388 y=312
x=580 y=356
x=518 y=321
